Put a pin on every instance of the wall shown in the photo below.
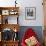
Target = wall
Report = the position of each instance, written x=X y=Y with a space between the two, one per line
x=39 y=13
x=25 y=3
x=6 y=3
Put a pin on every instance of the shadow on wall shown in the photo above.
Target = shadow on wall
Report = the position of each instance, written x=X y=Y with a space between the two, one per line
x=37 y=29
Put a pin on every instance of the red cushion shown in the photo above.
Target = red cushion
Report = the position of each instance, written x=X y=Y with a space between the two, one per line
x=29 y=33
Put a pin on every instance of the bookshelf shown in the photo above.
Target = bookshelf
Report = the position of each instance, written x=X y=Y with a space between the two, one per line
x=9 y=22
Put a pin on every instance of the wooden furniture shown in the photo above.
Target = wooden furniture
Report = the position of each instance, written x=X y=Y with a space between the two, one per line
x=5 y=23
x=44 y=37
x=10 y=43
x=8 y=11
x=44 y=8
x=0 y=43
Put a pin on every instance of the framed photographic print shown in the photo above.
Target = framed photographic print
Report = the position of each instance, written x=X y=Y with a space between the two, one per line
x=5 y=12
x=30 y=13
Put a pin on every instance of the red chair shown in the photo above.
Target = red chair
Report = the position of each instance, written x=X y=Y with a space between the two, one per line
x=29 y=33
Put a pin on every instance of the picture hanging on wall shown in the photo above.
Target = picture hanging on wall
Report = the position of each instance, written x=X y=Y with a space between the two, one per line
x=30 y=13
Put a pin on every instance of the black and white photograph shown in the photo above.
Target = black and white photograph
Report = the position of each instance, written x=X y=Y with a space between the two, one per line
x=30 y=13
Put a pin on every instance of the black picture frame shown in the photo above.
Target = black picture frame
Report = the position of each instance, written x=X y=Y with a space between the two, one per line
x=30 y=13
